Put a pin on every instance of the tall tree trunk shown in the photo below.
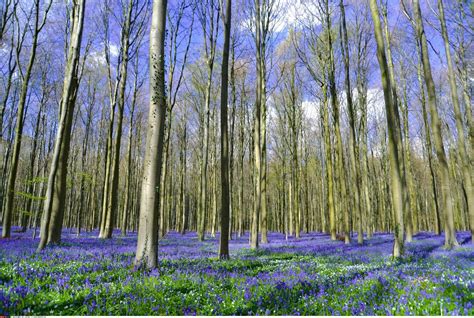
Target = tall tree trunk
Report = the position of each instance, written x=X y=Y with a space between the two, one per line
x=398 y=133
x=10 y=188
x=396 y=178
x=337 y=130
x=410 y=217
x=225 y=202
x=183 y=177
x=354 y=151
x=329 y=162
x=53 y=214
x=112 y=194
x=263 y=148
x=257 y=133
x=450 y=235
x=429 y=147
x=461 y=146
x=147 y=244
x=126 y=209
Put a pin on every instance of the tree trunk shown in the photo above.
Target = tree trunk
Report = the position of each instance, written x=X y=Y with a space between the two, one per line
x=10 y=188
x=396 y=180
x=51 y=223
x=147 y=244
x=225 y=202
x=461 y=146
x=354 y=151
x=450 y=235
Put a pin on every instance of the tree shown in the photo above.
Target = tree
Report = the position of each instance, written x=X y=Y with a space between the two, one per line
x=225 y=202
x=312 y=53
x=38 y=25
x=262 y=15
x=177 y=38
x=450 y=236
x=53 y=213
x=210 y=25
x=130 y=31
x=331 y=78
x=395 y=173
x=461 y=146
x=147 y=244
x=354 y=152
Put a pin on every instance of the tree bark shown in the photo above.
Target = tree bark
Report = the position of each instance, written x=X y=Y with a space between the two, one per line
x=53 y=214
x=396 y=180
x=450 y=235
x=461 y=145
x=147 y=244
x=225 y=202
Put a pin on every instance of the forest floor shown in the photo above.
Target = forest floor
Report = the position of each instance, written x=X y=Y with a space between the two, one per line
x=311 y=275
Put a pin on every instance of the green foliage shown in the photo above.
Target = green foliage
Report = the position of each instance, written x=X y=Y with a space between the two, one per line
x=86 y=177
x=29 y=196
x=36 y=180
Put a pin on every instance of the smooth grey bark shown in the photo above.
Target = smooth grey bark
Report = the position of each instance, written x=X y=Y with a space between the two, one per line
x=147 y=244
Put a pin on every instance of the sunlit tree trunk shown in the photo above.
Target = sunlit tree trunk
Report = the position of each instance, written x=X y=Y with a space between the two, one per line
x=395 y=173
x=147 y=244
x=354 y=151
x=53 y=214
x=341 y=176
x=461 y=145
x=398 y=132
x=210 y=29
x=20 y=117
x=128 y=181
x=450 y=235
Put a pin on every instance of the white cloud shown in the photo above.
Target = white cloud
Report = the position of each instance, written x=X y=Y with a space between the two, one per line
x=375 y=104
x=98 y=57
x=295 y=12
x=289 y=13
x=417 y=144
x=311 y=110
x=114 y=50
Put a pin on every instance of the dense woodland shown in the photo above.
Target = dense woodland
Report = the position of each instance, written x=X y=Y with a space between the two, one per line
x=347 y=117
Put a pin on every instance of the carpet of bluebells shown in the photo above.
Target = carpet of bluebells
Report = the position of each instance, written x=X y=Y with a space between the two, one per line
x=311 y=275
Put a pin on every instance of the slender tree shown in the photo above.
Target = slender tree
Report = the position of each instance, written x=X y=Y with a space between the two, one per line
x=147 y=244
x=38 y=25
x=225 y=202
x=395 y=173
x=209 y=19
x=52 y=219
x=354 y=152
x=450 y=235
x=461 y=145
